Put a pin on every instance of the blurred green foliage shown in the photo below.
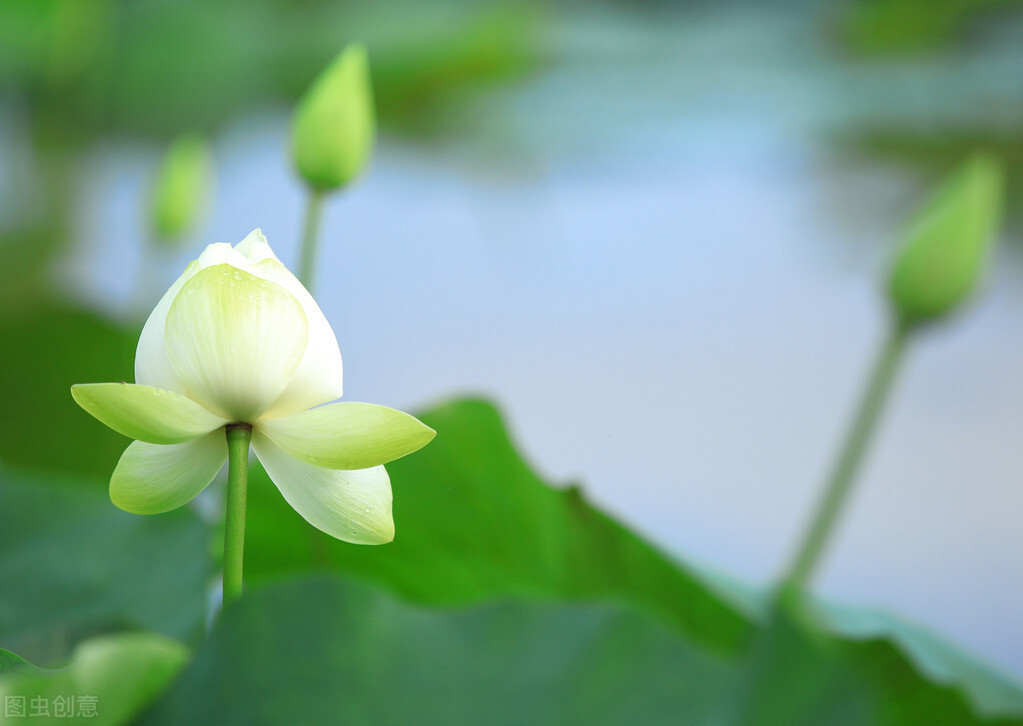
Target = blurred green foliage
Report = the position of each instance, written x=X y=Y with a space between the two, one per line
x=899 y=32
x=74 y=566
x=908 y=27
x=75 y=72
x=120 y=674
x=160 y=66
x=46 y=348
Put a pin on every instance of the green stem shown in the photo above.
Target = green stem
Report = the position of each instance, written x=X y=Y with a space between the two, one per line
x=310 y=238
x=844 y=473
x=238 y=437
x=306 y=272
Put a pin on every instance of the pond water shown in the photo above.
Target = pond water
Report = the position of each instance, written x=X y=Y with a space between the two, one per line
x=654 y=256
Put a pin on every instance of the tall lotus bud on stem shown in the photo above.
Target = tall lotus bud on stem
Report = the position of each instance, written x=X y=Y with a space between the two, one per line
x=947 y=245
x=936 y=270
x=183 y=185
x=335 y=124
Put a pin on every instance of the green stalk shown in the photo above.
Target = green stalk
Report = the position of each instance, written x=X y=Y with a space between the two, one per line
x=238 y=437
x=310 y=238
x=848 y=464
x=306 y=272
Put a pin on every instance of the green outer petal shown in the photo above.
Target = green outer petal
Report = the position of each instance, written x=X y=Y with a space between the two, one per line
x=150 y=478
x=348 y=435
x=235 y=340
x=146 y=413
x=354 y=506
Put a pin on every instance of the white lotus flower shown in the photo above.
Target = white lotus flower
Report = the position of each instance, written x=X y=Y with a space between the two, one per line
x=238 y=339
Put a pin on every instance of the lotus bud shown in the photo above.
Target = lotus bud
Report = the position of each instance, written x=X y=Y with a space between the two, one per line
x=335 y=124
x=183 y=185
x=947 y=245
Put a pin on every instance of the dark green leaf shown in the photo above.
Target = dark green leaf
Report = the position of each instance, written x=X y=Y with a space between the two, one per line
x=475 y=523
x=917 y=671
x=72 y=565
x=325 y=651
x=880 y=638
x=322 y=652
x=45 y=351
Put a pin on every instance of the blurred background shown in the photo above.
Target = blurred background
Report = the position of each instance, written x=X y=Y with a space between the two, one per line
x=655 y=233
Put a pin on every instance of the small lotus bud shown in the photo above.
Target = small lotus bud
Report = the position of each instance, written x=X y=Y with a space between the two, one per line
x=334 y=125
x=182 y=187
x=947 y=245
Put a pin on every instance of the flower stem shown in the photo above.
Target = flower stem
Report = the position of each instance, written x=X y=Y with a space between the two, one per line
x=238 y=437
x=310 y=238
x=848 y=463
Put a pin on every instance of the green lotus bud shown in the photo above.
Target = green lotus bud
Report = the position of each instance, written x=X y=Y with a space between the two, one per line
x=334 y=126
x=947 y=245
x=182 y=187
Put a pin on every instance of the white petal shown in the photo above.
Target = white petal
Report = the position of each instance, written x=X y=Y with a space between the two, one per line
x=255 y=248
x=354 y=506
x=152 y=478
x=318 y=377
x=152 y=366
x=221 y=253
x=235 y=340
